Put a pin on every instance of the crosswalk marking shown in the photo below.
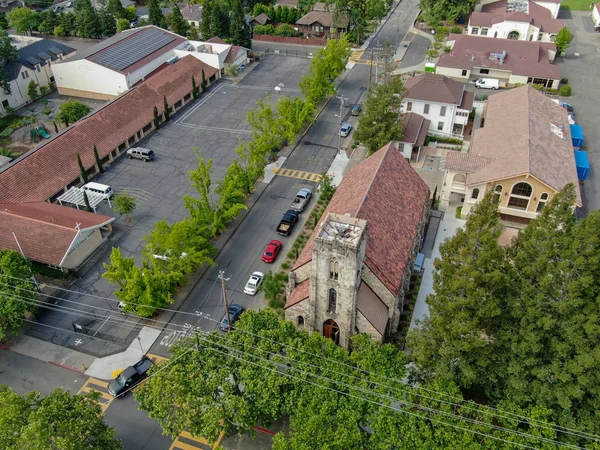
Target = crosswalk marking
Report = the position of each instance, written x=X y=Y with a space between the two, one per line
x=194 y=443
x=100 y=386
x=156 y=359
x=308 y=176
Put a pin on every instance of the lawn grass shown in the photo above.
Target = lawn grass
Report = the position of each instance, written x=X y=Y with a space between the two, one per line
x=578 y=5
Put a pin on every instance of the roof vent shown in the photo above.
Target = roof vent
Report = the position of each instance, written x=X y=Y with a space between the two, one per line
x=557 y=130
x=173 y=60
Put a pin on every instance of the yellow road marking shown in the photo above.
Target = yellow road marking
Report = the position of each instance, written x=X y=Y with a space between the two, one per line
x=298 y=174
x=156 y=359
x=100 y=386
x=203 y=443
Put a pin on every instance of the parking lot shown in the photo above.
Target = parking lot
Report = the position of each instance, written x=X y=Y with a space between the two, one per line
x=213 y=124
x=582 y=72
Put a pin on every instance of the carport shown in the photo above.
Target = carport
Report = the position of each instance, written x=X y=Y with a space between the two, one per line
x=74 y=196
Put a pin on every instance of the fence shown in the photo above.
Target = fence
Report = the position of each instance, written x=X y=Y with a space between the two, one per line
x=290 y=40
x=299 y=53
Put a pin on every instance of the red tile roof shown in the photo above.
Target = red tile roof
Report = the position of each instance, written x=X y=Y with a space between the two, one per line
x=43 y=172
x=385 y=191
x=45 y=231
x=301 y=292
x=539 y=16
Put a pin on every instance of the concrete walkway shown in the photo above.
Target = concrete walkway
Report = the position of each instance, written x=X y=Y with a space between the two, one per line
x=447 y=228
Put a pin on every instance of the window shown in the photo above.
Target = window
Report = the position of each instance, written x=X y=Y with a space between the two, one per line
x=542 y=202
x=332 y=300
x=484 y=71
x=5 y=104
x=442 y=111
x=552 y=37
x=300 y=321
x=539 y=36
x=543 y=81
x=520 y=195
x=475 y=194
x=25 y=74
x=514 y=35
x=426 y=108
x=531 y=37
x=464 y=73
x=484 y=32
x=440 y=126
x=409 y=106
x=38 y=68
x=52 y=80
x=475 y=30
x=498 y=192
x=495 y=34
x=334 y=269
x=317 y=28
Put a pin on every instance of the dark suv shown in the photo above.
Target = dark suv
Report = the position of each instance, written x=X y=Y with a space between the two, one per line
x=130 y=377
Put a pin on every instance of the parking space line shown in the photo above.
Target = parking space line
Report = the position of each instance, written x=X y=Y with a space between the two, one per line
x=291 y=173
x=204 y=127
x=100 y=386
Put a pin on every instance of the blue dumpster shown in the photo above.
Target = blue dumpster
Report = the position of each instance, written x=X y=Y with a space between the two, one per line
x=582 y=163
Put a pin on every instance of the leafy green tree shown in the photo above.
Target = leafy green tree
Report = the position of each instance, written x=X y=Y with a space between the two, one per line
x=436 y=10
x=88 y=24
x=178 y=23
x=32 y=90
x=155 y=15
x=108 y=23
x=122 y=25
x=115 y=7
x=81 y=5
x=68 y=22
x=124 y=204
x=8 y=51
x=23 y=20
x=240 y=31
x=562 y=40
x=71 y=111
x=60 y=421
x=219 y=25
x=47 y=21
x=273 y=286
x=82 y=170
x=17 y=291
x=206 y=31
x=205 y=210
x=3 y=21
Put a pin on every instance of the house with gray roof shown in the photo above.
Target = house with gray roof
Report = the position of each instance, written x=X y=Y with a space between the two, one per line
x=35 y=63
x=524 y=154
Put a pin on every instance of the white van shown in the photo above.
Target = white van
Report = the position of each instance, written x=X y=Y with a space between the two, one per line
x=97 y=188
x=487 y=83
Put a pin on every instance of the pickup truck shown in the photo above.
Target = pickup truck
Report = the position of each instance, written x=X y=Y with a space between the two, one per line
x=287 y=222
x=130 y=377
x=302 y=198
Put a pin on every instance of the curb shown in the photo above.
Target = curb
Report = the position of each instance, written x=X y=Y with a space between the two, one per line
x=67 y=367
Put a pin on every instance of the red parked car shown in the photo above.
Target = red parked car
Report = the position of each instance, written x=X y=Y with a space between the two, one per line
x=271 y=251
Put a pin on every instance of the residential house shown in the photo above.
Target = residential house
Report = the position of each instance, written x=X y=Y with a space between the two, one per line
x=551 y=5
x=414 y=131
x=523 y=153
x=355 y=269
x=522 y=20
x=261 y=19
x=192 y=13
x=444 y=102
x=322 y=24
x=35 y=63
x=509 y=61
x=596 y=15
x=288 y=3
x=144 y=13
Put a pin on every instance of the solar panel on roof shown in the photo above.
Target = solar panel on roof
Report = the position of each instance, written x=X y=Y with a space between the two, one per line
x=133 y=49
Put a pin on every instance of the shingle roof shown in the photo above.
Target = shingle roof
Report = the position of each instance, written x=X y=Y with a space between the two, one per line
x=301 y=292
x=216 y=40
x=435 y=88
x=415 y=128
x=519 y=137
x=522 y=57
x=45 y=231
x=465 y=162
x=262 y=18
x=36 y=53
x=43 y=172
x=385 y=191
x=371 y=306
x=325 y=18
x=233 y=52
x=538 y=16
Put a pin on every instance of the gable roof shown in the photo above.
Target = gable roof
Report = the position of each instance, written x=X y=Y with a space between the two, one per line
x=129 y=50
x=262 y=18
x=385 y=191
x=45 y=231
x=233 y=52
x=415 y=128
x=496 y=12
x=518 y=136
x=43 y=172
x=435 y=88
x=524 y=58
x=36 y=53
x=300 y=292
x=370 y=305
x=325 y=18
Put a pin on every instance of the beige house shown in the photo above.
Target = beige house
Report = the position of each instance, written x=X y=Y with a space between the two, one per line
x=523 y=153
x=355 y=269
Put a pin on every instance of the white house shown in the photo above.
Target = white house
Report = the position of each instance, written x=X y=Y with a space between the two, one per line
x=551 y=5
x=215 y=52
x=35 y=62
x=522 y=20
x=445 y=103
x=596 y=15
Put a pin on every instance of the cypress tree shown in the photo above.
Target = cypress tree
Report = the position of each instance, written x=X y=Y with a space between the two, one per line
x=98 y=162
x=87 y=202
x=166 y=108
x=194 y=88
x=155 y=15
x=203 y=83
x=84 y=176
x=156 y=118
x=205 y=28
x=178 y=23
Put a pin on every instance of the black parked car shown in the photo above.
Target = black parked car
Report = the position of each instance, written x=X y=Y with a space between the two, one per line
x=130 y=377
x=235 y=311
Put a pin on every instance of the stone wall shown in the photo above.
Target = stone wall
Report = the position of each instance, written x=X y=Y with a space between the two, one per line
x=364 y=326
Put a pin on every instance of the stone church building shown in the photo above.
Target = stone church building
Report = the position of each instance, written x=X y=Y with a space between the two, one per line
x=353 y=273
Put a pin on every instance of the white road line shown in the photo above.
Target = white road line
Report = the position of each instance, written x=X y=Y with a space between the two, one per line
x=268 y=88
x=202 y=127
x=204 y=100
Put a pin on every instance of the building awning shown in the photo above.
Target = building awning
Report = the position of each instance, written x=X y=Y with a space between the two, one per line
x=74 y=196
x=370 y=306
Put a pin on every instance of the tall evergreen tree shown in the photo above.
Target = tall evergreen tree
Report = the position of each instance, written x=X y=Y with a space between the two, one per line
x=83 y=173
x=240 y=31
x=206 y=20
x=88 y=24
x=115 y=7
x=178 y=23
x=156 y=118
x=98 y=161
x=155 y=15
x=166 y=108
x=220 y=20
x=108 y=23
x=195 y=90
x=203 y=83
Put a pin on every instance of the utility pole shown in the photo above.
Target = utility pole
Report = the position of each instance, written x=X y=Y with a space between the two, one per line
x=342 y=101
x=371 y=69
x=224 y=292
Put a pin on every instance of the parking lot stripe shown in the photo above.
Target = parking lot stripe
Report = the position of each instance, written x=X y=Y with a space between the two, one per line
x=203 y=127
x=298 y=174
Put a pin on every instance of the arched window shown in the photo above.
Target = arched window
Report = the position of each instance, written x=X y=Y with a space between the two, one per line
x=459 y=178
x=514 y=35
x=334 y=269
x=300 y=321
x=475 y=194
x=520 y=196
x=498 y=192
x=542 y=202
x=332 y=300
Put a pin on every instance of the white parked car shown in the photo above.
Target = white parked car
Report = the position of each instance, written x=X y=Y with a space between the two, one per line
x=253 y=283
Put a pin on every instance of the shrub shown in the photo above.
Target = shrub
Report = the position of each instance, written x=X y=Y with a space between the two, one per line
x=6 y=152
x=456 y=29
x=291 y=255
x=437 y=45
x=565 y=91
x=447 y=49
x=285 y=30
x=458 y=212
x=264 y=29
x=539 y=87
x=6 y=132
x=564 y=81
x=285 y=266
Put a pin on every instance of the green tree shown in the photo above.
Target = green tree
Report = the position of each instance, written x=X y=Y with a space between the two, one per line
x=219 y=25
x=178 y=23
x=562 y=40
x=32 y=90
x=82 y=170
x=108 y=23
x=81 y=5
x=8 y=51
x=3 y=21
x=240 y=31
x=205 y=210
x=88 y=24
x=155 y=15
x=166 y=109
x=98 y=161
x=17 y=291
x=71 y=111
x=115 y=7
x=206 y=31
x=156 y=119
x=436 y=10
x=68 y=22
x=285 y=30
x=122 y=25
x=23 y=20
x=124 y=204
x=203 y=83
x=195 y=90
x=86 y=201
x=60 y=421
x=193 y=33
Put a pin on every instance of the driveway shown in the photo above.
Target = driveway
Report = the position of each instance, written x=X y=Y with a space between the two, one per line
x=582 y=72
